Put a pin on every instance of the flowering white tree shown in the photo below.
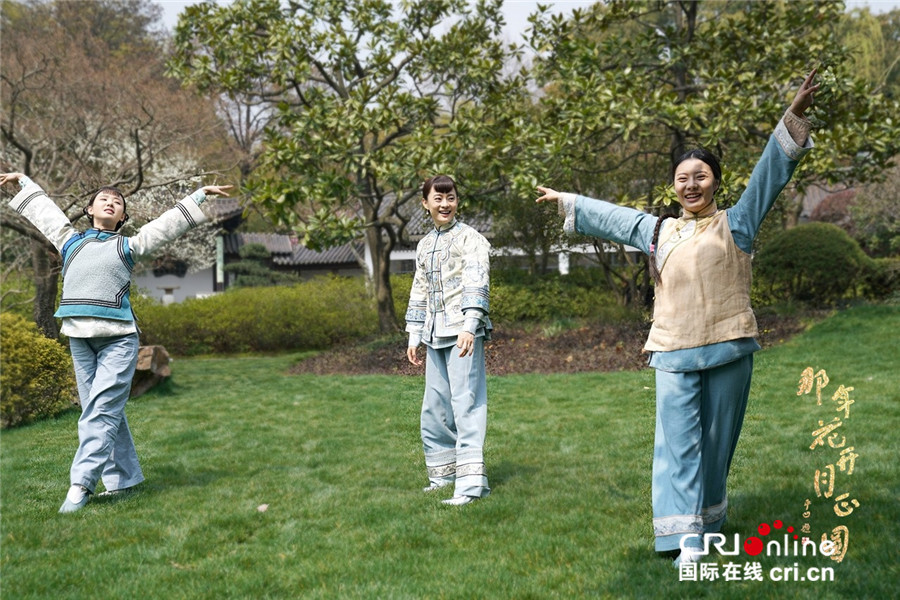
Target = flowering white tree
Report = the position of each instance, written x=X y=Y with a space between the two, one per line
x=85 y=103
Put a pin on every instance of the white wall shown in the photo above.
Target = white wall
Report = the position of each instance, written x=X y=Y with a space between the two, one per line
x=189 y=286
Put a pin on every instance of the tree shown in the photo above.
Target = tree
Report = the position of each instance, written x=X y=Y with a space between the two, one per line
x=367 y=98
x=253 y=269
x=85 y=103
x=874 y=43
x=629 y=85
x=890 y=28
x=876 y=224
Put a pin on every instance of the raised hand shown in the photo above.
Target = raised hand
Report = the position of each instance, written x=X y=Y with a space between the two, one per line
x=804 y=98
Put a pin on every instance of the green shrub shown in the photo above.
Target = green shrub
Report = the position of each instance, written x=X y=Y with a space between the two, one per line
x=254 y=270
x=400 y=287
x=325 y=311
x=36 y=375
x=315 y=314
x=815 y=264
x=17 y=290
x=519 y=296
x=883 y=280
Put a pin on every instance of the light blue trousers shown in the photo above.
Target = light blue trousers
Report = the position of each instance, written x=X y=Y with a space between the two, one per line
x=104 y=368
x=698 y=421
x=454 y=419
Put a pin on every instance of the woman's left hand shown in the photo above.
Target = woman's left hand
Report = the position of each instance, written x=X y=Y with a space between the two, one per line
x=465 y=341
x=216 y=190
x=9 y=178
x=804 y=98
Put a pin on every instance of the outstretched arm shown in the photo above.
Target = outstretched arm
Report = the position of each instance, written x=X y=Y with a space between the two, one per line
x=216 y=190
x=174 y=222
x=33 y=203
x=601 y=219
x=10 y=178
x=785 y=148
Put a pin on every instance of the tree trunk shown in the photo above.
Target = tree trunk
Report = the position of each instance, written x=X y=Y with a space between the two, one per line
x=380 y=251
x=46 y=282
x=792 y=212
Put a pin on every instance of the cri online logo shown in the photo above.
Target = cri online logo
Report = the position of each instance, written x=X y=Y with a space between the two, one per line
x=754 y=545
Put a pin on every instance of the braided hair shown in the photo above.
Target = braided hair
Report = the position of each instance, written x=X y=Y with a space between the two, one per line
x=654 y=270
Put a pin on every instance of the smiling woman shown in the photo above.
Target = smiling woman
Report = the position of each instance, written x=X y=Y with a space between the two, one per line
x=441 y=202
x=702 y=339
x=448 y=310
x=697 y=178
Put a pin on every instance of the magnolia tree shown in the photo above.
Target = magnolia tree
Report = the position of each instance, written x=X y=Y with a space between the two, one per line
x=629 y=85
x=85 y=103
x=365 y=99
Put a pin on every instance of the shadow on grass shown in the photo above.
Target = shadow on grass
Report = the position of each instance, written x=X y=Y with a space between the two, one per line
x=505 y=472
x=166 y=387
x=171 y=476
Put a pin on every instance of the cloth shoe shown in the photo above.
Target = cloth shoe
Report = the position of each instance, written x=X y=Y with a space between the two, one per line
x=109 y=493
x=459 y=500
x=435 y=486
x=688 y=555
x=76 y=498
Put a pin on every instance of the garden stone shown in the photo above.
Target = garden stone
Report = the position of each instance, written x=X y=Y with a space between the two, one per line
x=152 y=368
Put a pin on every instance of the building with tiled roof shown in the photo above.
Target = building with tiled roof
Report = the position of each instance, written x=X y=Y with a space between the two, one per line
x=287 y=254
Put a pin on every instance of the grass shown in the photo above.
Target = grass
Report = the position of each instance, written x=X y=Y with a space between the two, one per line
x=337 y=462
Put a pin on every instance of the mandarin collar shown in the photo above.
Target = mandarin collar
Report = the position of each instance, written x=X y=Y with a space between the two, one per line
x=686 y=216
x=446 y=227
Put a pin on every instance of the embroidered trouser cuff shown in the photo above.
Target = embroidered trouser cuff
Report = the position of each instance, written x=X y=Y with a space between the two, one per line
x=454 y=419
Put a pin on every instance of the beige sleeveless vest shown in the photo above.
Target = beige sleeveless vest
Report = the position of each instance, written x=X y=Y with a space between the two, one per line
x=704 y=297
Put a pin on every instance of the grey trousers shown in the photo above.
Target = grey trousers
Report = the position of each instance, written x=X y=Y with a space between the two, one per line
x=104 y=368
x=454 y=419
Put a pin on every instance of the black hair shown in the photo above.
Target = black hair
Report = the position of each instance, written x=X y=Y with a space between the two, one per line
x=114 y=190
x=701 y=154
x=712 y=161
x=442 y=184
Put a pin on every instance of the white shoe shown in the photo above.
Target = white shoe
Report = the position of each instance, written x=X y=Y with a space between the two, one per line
x=435 y=486
x=109 y=493
x=459 y=500
x=76 y=499
x=688 y=556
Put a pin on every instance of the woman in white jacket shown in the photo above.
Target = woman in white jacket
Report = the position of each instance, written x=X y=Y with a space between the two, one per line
x=448 y=312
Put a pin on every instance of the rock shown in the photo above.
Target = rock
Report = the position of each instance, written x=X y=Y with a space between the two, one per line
x=152 y=368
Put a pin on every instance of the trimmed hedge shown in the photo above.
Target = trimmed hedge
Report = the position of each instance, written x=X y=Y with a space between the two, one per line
x=816 y=264
x=36 y=375
x=519 y=296
x=325 y=311
x=312 y=315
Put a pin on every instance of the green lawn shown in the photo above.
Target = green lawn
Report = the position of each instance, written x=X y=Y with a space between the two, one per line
x=338 y=463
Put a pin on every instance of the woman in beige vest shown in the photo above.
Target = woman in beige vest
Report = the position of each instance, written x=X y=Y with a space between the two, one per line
x=702 y=341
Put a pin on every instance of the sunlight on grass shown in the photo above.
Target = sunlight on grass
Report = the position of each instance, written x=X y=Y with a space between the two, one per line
x=338 y=463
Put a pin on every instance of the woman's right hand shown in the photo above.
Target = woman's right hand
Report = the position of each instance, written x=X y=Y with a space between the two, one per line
x=412 y=356
x=549 y=195
x=9 y=177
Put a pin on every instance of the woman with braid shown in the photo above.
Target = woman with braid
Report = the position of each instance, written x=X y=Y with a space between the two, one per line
x=701 y=342
x=97 y=317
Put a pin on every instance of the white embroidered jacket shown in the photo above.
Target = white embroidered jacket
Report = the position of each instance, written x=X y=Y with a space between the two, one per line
x=450 y=291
